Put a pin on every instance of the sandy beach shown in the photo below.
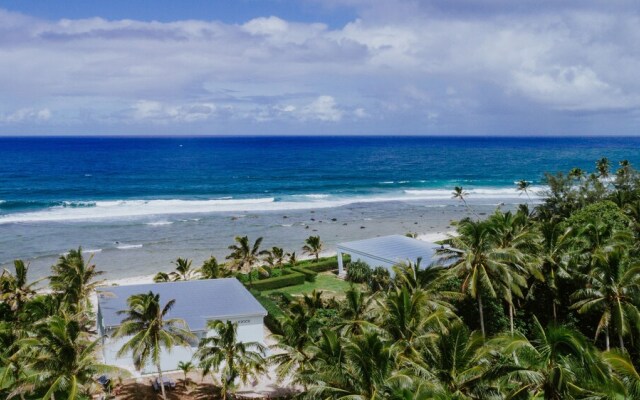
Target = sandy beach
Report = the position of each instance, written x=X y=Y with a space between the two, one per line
x=134 y=250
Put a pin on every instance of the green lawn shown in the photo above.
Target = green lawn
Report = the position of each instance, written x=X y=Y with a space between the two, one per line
x=327 y=282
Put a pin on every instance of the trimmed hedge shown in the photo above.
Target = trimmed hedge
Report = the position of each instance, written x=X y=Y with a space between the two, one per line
x=274 y=312
x=292 y=279
x=326 y=264
x=309 y=275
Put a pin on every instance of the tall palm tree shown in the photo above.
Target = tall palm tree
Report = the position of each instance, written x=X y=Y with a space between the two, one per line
x=603 y=166
x=356 y=311
x=557 y=363
x=74 y=280
x=613 y=285
x=275 y=257
x=370 y=370
x=245 y=256
x=456 y=361
x=183 y=271
x=481 y=264
x=148 y=331
x=461 y=194
x=61 y=361
x=520 y=243
x=557 y=254
x=313 y=246
x=523 y=187
x=293 y=259
x=223 y=353
x=212 y=270
x=14 y=288
x=576 y=174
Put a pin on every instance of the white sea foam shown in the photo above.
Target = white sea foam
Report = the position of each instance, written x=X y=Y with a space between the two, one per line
x=92 y=250
x=128 y=246
x=124 y=209
x=159 y=223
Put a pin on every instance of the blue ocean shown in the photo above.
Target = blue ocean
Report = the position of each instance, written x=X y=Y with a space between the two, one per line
x=159 y=198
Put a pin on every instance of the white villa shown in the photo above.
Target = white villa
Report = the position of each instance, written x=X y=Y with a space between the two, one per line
x=387 y=251
x=197 y=302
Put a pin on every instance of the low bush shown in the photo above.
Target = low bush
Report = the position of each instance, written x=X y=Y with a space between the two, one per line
x=292 y=279
x=358 y=272
x=324 y=264
x=309 y=276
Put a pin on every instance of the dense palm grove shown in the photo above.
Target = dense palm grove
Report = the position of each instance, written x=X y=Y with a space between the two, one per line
x=540 y=302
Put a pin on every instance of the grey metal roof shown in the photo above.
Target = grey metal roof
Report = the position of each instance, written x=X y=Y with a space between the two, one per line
x=392 y=249
x=197 y=301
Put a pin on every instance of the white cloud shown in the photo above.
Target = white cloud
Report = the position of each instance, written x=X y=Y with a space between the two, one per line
x=157 y=112
x=489 y=63
x=27 y=115
x=324 y=108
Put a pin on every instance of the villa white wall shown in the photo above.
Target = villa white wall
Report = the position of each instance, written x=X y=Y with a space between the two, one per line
x=250 y=329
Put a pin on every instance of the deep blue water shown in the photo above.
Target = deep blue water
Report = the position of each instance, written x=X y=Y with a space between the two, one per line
x=39 y=173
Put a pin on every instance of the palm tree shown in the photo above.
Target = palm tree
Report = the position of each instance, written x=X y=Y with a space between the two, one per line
x=479 y=261
x=313 y=246
x=212 y=270
x=61 y=360
x=519 y=243
x=237 y=359
x=148 y=331
x=603 y=166
x=74 y=280
x=356 y=312
x=14 y=289
x=186 y=367
x=576 y=174
x=556 y=253
x=613 y=285
x=183 y=270
x=275 y=257
x=461 y=194
x=556 y=364
x=523 y=187
x=245 y=257
x=293 y=259
x=455 y=359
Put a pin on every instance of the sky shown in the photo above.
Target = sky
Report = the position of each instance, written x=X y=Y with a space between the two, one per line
x=320 y=67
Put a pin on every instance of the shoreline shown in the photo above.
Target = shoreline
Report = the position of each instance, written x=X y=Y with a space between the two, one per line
x=146 y=279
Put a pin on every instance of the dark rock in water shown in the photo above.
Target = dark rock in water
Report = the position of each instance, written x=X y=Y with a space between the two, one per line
x=415 y=223
x=313 y=219
x=345 y=224
x=312 y=212
x=482 y=213
x=234 y=218
x=285 y=217
x=306 y=227
x=334 y=219
x=315 y=230
x=320 y=221
x=362 y=227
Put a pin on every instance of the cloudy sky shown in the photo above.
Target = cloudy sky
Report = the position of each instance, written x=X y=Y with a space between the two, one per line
x=435 y=67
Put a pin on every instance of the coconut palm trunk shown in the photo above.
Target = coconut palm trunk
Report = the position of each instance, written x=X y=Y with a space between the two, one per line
x=164 y=395
x=481 y=311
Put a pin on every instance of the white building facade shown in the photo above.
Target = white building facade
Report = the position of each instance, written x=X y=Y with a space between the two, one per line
x=196 y=302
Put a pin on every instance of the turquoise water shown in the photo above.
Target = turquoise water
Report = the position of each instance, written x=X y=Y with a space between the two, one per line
x=74 y=178
x=138 y=203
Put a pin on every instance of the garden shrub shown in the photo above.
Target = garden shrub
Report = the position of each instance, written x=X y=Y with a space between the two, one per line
x=292 y=279
x=309 y=276
x=358 y=272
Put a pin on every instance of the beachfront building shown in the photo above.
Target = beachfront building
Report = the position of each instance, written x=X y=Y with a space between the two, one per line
x=387 y=251
x=197 y=302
